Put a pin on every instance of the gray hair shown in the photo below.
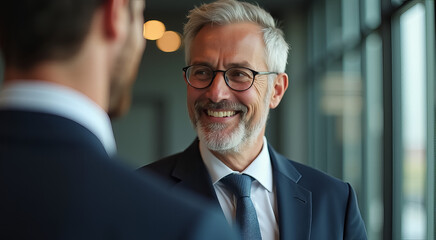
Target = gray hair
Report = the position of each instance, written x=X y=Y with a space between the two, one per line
x=224 y=12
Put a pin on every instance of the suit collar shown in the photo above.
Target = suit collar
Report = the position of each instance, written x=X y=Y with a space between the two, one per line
x=260 y=168
x=45 y=97
x=192 y=173
x=283 y=166
x=48 y=128
x=294 y=201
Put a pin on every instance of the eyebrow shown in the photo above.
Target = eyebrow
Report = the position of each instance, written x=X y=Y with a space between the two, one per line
x=227 y=66
x=202 y=63
x=240 y=64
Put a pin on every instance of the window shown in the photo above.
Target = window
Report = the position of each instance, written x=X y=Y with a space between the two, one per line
x=410 y=157
x=372 y=108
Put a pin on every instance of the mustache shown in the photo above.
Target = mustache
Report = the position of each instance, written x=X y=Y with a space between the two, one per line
x=225 y=104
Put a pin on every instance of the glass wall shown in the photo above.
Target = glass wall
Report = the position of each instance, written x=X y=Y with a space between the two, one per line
x=371 y=112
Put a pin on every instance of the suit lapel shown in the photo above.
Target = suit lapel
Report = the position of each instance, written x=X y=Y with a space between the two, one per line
x=294 y=201
x=192 y=173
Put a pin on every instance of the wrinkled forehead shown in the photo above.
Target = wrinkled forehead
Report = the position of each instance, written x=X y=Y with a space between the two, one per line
x=229 y=45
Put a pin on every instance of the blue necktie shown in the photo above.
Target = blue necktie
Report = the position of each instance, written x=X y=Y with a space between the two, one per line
x=246 y=217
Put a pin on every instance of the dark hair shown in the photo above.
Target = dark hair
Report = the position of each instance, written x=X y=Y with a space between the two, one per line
x=36 y=30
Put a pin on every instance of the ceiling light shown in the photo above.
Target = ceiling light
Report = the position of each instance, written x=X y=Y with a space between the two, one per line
x=153 y=29
x=169 y=42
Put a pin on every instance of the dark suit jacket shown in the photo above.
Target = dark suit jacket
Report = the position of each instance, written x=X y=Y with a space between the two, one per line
x=311 y=204
x=57 y=182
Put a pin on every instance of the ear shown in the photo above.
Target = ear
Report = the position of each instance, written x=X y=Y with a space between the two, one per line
x=279 y=89
x=114 y=11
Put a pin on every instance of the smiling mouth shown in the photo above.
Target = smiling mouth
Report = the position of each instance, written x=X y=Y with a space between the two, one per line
x=221 y=114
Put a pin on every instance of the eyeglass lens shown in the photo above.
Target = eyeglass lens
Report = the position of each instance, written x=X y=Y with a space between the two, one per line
x=237 y=78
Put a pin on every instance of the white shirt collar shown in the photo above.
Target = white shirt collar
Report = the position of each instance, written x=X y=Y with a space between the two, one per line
x=260 y=169
x=55 y=99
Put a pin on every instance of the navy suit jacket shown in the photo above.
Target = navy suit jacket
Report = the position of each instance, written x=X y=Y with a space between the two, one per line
x=57 y=182
x=311 y=204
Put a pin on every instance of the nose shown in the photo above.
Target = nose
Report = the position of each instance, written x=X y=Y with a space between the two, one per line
x=218 y=90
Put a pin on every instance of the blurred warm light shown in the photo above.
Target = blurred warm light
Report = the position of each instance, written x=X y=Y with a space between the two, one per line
x=169 y=42
x=153 y=29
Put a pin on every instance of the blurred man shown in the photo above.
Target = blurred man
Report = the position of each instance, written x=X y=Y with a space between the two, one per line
x=236 y=60
x=68 y=64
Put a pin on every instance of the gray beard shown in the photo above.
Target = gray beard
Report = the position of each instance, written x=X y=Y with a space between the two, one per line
x=214 y=139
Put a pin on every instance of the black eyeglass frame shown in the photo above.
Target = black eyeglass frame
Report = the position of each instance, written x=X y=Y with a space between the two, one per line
x=214 y=72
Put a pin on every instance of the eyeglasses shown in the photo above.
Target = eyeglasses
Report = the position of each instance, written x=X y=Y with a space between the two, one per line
x=237 y=78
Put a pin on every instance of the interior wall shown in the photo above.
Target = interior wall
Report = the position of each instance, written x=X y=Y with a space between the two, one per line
x=158 y=123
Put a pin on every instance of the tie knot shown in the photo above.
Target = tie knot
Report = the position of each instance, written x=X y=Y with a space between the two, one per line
x=239 y=184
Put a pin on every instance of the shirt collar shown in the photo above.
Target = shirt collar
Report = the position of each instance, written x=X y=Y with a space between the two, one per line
x=260 y=169
x=55 y=99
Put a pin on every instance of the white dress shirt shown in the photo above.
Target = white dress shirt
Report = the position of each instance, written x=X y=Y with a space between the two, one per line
x=40 y=96
x=262 y=189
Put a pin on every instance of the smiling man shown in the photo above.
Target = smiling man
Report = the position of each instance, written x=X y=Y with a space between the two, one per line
x=236 y=60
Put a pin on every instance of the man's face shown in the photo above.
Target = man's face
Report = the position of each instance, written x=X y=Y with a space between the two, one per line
x=226 y=120
x=127 y=63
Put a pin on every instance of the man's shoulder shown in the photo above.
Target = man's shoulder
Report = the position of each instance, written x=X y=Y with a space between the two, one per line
x=309 y=177
x=166 y=161
x=70 y=183
x=162 y=167
x=166 y=165
x=103 y=198
x=314 y=173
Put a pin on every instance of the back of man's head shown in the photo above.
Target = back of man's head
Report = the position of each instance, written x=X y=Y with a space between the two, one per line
x=38 y=30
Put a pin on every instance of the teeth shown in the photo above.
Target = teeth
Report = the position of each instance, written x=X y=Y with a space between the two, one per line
x=220 y=113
